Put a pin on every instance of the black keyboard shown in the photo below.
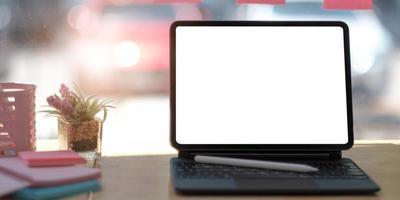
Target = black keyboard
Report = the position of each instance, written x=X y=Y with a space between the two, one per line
x=343 y=169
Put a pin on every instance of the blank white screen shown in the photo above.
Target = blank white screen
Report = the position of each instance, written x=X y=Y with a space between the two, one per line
x=260 y=85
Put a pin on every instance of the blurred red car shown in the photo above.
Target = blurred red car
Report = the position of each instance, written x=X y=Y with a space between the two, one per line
x=124 y=47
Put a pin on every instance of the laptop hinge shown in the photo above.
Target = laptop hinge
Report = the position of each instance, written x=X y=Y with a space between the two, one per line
x=275 y=155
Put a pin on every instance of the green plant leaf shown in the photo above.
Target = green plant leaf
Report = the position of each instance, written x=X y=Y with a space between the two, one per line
x=84 y=108
x=104 y=114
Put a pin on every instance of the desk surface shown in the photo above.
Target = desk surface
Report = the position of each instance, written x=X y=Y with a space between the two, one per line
x=148 y=177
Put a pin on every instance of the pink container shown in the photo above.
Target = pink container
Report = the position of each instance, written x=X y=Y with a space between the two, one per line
x=17 y=118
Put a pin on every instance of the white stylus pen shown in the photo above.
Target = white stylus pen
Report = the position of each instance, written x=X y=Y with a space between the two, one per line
x=255 y=163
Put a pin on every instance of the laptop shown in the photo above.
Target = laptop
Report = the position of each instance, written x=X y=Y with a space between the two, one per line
x=277 y=91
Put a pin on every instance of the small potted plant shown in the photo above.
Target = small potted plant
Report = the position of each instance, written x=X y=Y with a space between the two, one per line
x=78 y=127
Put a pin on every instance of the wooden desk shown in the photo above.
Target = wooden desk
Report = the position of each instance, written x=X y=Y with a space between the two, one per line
x=148 y=177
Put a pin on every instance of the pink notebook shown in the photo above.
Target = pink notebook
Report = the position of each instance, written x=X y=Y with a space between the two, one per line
x=48 y=176
x=51 y=158
x=9 y=184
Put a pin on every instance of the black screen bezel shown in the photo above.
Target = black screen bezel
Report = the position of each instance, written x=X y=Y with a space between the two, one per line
x=259 y=147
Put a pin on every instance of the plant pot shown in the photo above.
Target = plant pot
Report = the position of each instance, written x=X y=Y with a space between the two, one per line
x=80 y=136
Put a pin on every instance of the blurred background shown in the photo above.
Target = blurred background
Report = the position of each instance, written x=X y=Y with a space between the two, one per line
x=119 y=49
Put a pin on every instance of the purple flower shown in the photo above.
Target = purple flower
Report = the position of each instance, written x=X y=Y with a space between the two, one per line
x=53 y=101
x=63 y=106
x=65 y=92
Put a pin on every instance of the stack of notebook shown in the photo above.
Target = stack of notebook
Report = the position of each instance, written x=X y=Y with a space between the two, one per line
x=47 y=175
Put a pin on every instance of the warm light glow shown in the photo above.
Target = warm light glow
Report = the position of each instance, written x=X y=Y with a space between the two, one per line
x=95 y=55
x=127 y=54
x=83 y=19
x=79 y=17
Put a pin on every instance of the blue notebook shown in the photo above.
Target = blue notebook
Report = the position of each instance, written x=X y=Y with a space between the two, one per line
x=58 y=191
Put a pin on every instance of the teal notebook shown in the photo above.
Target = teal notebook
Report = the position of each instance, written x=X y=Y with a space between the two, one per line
x=58 y=191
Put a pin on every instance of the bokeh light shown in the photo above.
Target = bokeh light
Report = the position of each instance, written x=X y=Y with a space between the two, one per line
x=127 y=54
